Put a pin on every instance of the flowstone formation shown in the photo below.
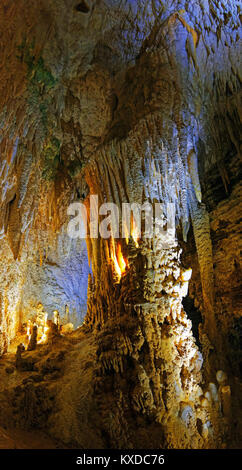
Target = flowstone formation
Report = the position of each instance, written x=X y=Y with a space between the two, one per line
x=133 y=103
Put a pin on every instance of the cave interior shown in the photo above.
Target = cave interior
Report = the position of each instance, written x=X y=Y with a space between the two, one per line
x=113 y=336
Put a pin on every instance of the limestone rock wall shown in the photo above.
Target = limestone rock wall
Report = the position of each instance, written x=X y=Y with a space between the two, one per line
x=226 y=248
x=60 y=283
x=11 y=285
x=130 y=101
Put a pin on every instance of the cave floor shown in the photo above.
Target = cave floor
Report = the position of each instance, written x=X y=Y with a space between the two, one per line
x=20 y=439
x=49 y=395
x=51 y=401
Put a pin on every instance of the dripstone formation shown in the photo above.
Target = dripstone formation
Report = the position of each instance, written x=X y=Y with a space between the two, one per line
x=127 y=341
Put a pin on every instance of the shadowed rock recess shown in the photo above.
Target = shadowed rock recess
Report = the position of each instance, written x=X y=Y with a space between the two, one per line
x=120 y=342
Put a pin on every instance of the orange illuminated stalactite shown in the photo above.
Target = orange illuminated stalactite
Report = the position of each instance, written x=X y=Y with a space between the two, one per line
x=135 y=233
x=127 y=236
x=121 y=261
x=120 y=264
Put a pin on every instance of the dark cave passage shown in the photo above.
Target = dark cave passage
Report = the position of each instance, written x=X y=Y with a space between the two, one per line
x=194 y=315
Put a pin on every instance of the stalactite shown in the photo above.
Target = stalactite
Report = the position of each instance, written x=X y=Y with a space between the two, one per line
x=131 y=129
x=201 y=228
x=193 y=170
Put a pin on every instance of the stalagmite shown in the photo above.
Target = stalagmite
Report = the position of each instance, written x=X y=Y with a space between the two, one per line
x=121 y=119
x=193 y=169
x=226 y=399
x=33 y=339
x=201 y=227
x=20 y=350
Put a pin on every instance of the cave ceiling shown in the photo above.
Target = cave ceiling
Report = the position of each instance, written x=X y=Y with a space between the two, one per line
x=130 y=101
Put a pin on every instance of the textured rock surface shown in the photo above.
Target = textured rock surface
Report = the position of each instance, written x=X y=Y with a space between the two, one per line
x=56 y=285
x=132 y=101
